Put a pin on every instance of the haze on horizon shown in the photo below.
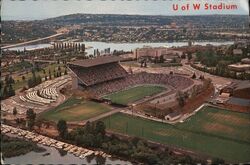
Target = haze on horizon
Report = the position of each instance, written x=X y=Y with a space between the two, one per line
x=42 y=9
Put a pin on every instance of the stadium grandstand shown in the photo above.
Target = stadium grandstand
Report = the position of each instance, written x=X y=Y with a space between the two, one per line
x=104 y=75
x=169 y=81
x=94 y=71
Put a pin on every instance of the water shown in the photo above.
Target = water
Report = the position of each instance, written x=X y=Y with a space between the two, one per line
x=30 y=47
x=59 y=157
x=123 y=46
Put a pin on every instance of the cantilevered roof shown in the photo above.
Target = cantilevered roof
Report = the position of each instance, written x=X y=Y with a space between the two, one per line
x=96 y=61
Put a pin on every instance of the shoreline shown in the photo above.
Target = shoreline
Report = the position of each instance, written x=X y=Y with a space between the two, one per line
x=47 y=141
x=24 y=146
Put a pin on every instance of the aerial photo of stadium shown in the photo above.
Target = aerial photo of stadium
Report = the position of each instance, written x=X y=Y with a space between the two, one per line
x=124 y=84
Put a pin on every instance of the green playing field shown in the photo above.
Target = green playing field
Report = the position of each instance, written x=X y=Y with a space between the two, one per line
x=75 y=109
x=215 y=132
x=134 y=94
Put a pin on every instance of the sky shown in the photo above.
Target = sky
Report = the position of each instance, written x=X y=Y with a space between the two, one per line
x=42 y=9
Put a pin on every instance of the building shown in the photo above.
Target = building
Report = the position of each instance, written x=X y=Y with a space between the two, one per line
x=90 y=72
x=237 y=52
x=238 y=89
x=150 y=52
x=245 y=61
x=222 y=98
x=239 y=67
x=173 y=116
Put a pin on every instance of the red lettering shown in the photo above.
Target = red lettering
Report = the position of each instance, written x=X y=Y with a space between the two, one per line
x=196 y=6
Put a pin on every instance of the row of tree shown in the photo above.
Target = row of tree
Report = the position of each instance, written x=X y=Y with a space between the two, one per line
x=223 y=71
x=94 y=135
x=34 y=80
x=6 y=87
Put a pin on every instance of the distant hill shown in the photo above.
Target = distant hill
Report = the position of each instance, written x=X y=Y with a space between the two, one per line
x=20 y=31
x=139 y=20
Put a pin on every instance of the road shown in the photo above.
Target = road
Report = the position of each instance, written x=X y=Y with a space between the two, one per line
x=114 y=110
x=44 y=61
x=217 y=80
x=32 y=41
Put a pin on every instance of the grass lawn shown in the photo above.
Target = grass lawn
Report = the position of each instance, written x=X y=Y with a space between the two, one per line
x=75 y=109
x=21 y=83
x=133 y=94
x=198 y=134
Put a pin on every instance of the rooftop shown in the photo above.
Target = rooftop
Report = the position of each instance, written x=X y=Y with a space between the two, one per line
x=96 y=61
x=239 y=65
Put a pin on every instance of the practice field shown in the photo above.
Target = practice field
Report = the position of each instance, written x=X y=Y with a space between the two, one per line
x=75 y=110
x=213 y=132
x=134 y=94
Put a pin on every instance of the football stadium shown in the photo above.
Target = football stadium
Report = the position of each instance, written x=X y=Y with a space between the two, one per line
x=105 y=78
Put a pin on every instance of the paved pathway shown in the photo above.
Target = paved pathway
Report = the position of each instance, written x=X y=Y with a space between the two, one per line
x=104 y=115
x=180 y=120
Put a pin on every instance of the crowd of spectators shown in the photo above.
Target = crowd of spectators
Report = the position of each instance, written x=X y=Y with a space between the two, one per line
x=99 y=73
x=174 y=81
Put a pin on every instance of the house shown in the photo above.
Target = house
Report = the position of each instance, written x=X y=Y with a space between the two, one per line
x=173 y=116
x=223 y=97
x=237 y=52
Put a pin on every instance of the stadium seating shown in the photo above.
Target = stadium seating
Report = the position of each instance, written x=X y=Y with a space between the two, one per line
x=46 y=92
x=177 y=82
x=100 y=73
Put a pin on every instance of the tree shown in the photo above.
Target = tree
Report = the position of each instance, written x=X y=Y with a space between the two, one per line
x=142 y=64
x=30 y=83
x=38 y=80
x=50 y=77
x=6 y=79
x=189 y=56
x=5 y=92
x=217 y=161
x=65 y=72
x=23 y=78
x=100 y=127
x=180 y=98
x=174 y=60
x=14 y=111
x=194 y=76
x=88 y=128
x=30 y=117
x=62 y=128
x=162 y=59
x=11 y=91
x=156 y=59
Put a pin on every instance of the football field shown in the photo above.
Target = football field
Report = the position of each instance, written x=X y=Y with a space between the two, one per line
x=134 y=94
x=213 y=132
x=75 y=109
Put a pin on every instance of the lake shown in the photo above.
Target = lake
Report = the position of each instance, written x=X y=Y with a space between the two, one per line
x=59 y=157
x=123 y=46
